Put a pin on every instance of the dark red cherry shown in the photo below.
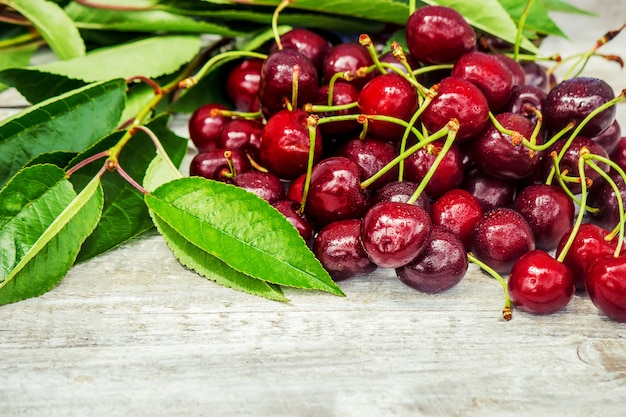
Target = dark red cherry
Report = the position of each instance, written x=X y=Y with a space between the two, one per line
x=338 y=248
x=242 y=134
x=524 y=99
x=276 y=84
x=574 y=99
x=605 y=281
x=347 y=57
x=343 y=93
x=313 y=45
x=447 y=176
x=491 y=192
x=335 y=192
x=537 y=76
x=461 y=100
x=619 y=153
x=588 y=245
x=458 y=212
x=609 y=138
x=495 y=154
x=372 y=155
x=389 y=58
x=400 y=191
x=264 y=184
x=295 y=188
x=540 y=284
x=291 y=210
x=517 y=71
x=440 y=266
x=501 y=237
x=603 y=198
x=393 y=234
x=489 y=74
x=205 y=126
x=214 y=164
x=549 y=212
x=391 y=95
x=285 y=144
x=438 y=35
x=242 y=85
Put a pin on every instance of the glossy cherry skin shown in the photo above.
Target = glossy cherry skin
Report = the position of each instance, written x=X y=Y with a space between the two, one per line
x=603 y=198
x=610 y=137
x=400 y=191
x=242 y=85
x=458 y=212
x=372 y=155
x=518 y=75
x=438 y=35
x=605 y=281
x=495 y=154
x=338 y=247
x=524 y=98
x=490 y=191
x=447 y=176
x=461 y=100
x=285 y=144
x=393 y=234
x=291 y=210
x=549 y=212
x=343 y=93
x=540 y=284
x=391 y=95
x=574 y=99
x=214 y=164
x=501 y=237
x=313 y=45
x=295 y=188
x=335 y=192
x=264 y=184
x=440 y=266
x=619 y=153
x=242 y=134
x=588 y=245
x=537 y=76
x=489 y=74
x=347 y=56
x=276 y=84
x=205 y=126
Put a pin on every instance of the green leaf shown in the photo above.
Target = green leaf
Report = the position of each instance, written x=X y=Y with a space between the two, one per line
x=42 y=226
x=566 y=7
x=212 y=268
x=37 y=86
x=58 y=158
x=241 y=230
x=125 y=214
x=537 y=21
x=70 y=122
x=53 y=24
x=16 y=57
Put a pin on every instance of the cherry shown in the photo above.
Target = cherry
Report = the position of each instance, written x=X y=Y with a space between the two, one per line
x=549 y=212
x=291 y=210
x=605 y=281
x=264 y=184
x=343 y=93
x=518 y=75
x=540 y=284
x=313 y=45
x=501 y=237
x=393 y=234
x=338 y=247
x=347 y=57
x=461 y=100
x=619 y=153
x=609 y=138
x=285 y=144
x=372 y=155
x=391 y=95
x=438 y=35
x=242 y=134
x=489 y=74
x=389 y=58
x=216 y=164
x=589 y=244
x=440 y=266
x=491 y=192
x=335 y=192
x=242 y=85
x=400 y=191
x=205 y=126
x=458 y=212
x=604 y=199
x=447 y=176
x=537 y=76
x=574 y=99
x=295 y=188
x=276 y=84
x=526 y=97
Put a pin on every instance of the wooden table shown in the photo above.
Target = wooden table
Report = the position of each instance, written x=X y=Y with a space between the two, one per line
x=133 y=333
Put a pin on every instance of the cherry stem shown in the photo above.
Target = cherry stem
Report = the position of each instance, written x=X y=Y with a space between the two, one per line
x=149 y=81
x=507 y=314
x=452 y=129
x=319 y=108
x=398 y=53
x=346 y=75
x=229 y=55
x=236 y=114
x=295 y=77
x=520 y=28
x=584 y=58
x=283 y=4
x=130 y=179
x=412 y=7
x=366 y=41
x=159 y=147
x=87 y=161
x=312 y=121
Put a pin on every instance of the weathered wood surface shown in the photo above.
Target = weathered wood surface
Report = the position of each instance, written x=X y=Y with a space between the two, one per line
x=133 y=333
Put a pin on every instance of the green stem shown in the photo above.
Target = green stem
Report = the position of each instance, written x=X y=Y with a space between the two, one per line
x=312 y=127
x=520 y=29
x=506 y=311
x=581 y=212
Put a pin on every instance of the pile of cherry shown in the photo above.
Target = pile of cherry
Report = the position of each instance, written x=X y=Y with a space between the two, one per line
x=427 y=159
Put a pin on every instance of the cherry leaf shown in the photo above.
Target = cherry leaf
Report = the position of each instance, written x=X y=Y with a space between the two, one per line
x=70 y=122
x=537 y=21
x=43 y=223
x=53 y=24
x=240 y=229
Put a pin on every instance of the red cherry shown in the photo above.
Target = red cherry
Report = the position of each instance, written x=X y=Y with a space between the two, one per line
x=242 y=85
x=291 y=210
x=605 y=281
x=458 y=212
x=205 y=126
x=540 y=284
